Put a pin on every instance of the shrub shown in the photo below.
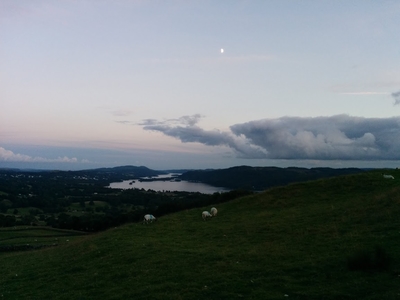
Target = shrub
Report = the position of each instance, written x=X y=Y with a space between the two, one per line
x=369 y=261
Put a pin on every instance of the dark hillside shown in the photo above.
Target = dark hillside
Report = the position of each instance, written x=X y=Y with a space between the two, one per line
x=334 y=238
x=117 y=173
x=261 y=178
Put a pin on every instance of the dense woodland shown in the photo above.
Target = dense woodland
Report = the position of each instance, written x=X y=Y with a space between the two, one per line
x=80 y=200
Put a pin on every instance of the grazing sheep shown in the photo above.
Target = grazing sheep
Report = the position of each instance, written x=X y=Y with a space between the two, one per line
x=205 y=214
x=214 y=211
x=387 y=176
x=149 y=218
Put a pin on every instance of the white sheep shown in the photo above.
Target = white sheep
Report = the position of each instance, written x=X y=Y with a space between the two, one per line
x=205 y=214
x=387 y=176
x=214 y=211
x=149 y=218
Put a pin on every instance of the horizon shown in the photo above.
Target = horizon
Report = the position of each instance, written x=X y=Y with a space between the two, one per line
x=199 y=85
x=178 y=169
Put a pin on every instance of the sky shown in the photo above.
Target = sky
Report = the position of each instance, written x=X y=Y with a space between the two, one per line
x=199 y=84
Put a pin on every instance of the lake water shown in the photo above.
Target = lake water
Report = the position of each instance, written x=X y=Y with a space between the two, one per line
x=168 y=185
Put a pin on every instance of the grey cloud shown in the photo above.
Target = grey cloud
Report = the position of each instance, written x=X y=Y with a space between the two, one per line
x=324 y=138
x=339 y=137
x=149 y=122
x=190 y=120
x=124 y=122
x=186 y=130
x=184 y=120
x=193 y=134
x=396 y=97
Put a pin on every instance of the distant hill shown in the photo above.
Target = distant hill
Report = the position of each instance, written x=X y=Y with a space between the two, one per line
x=99 y=177
x=240 y=177
x=119 y=173
x=261 y=178
x=141 y=171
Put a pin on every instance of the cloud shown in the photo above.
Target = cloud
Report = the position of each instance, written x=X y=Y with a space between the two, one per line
x=324 y=138
x=149 y=122
x=396 y=97
x=124 y=122
x=9 y=156
x=185 y=120
x=186 y=130
x=339 y=137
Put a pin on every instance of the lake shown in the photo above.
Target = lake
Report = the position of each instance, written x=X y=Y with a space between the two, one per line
x=168 y=185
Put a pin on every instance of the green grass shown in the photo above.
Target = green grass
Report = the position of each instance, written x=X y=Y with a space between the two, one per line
x=36 y=236
x=294 y=240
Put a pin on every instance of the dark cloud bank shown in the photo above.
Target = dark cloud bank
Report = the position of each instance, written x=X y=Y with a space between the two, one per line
x=339 y=137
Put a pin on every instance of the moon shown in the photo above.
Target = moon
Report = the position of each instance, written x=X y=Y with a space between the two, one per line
x=222 y=50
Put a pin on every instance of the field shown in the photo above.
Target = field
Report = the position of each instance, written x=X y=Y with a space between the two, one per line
x=335 y=238
x=27 y=237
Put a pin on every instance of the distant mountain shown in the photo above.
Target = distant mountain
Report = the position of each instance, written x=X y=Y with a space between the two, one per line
x=142 y=170
x=240 y=177
x=24 y=170
x=103 y=175
x=261 y=178
x=121 y=173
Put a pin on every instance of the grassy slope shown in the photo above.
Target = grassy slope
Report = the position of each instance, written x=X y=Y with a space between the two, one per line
x=292 y=240
x=36 y=236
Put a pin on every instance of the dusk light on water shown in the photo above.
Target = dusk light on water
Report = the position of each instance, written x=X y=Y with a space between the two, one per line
x=162 y=186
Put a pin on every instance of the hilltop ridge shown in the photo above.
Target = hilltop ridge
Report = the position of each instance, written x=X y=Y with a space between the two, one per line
x=261 y=178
